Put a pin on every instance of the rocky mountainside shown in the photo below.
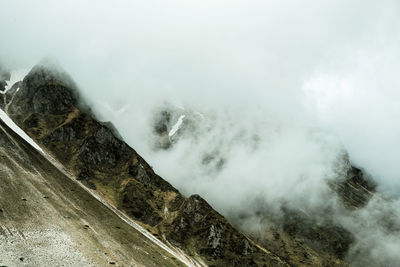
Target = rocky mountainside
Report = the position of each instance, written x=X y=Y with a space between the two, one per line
x=47 y=106
x=47 y=219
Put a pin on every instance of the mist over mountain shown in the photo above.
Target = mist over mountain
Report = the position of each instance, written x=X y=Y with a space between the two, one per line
x=300 y=63
x=277 y=101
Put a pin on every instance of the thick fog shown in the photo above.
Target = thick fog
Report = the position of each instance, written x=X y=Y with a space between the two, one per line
x=284 y=88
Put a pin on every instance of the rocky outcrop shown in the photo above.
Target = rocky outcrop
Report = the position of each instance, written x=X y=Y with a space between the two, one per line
x=49 y=109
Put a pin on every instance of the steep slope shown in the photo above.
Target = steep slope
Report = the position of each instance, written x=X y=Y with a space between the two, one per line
x=46 y=219
x=47 y=106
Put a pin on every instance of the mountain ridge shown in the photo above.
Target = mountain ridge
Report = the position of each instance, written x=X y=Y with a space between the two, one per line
x=49 y=111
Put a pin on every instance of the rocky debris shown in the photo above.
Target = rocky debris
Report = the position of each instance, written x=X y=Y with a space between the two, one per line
x=49 y=109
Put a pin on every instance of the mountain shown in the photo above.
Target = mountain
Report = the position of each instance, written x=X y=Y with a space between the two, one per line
x=47 y=105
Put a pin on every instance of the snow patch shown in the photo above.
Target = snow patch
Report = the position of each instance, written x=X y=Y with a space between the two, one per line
x=177 y=125
x=16 y=76
x=19 y=131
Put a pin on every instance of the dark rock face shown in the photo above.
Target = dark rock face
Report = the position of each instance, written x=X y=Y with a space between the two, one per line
x=46 y=99
x=47 y=107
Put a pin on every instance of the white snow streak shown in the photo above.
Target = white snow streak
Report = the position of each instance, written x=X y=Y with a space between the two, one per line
x=18 y=130
x=177 y=125
x=16 y=76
